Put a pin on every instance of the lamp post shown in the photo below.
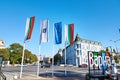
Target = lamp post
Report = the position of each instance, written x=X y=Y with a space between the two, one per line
x=115 y=41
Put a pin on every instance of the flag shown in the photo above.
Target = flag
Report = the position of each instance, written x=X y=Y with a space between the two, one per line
x=119 y=30
x=29 y=27
x=44 y=31
x=69 y=34
x=58 y=32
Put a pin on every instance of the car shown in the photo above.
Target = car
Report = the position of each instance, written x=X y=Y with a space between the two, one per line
x=83 y=66
x=19 y=65
x=46 y=66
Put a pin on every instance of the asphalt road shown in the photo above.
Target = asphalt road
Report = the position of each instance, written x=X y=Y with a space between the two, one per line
x=30 y=73
x=59 y=72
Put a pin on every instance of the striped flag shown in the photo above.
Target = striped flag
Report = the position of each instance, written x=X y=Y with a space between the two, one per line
x=69 y=34
x=58 y=32
x=44 y=31
x=29 y=27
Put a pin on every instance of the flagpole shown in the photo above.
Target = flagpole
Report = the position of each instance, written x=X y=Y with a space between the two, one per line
x=53 y=54
x=53 y=63
x=22 y=61
x=65 y=61
x=66 y=33
x=38 y=70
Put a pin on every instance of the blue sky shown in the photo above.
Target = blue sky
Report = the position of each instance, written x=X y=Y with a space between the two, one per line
x=97 y=20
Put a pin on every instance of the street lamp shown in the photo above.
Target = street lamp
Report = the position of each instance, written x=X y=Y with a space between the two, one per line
x=115 y=44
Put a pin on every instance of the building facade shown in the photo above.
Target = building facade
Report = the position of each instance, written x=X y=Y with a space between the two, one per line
x=2 y=45
x=77 y=53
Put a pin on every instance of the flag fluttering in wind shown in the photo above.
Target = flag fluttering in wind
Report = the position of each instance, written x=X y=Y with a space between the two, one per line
x=28 y=32
x=58 y=32
x=69 y=34
x=29 y=27
x=44 y=31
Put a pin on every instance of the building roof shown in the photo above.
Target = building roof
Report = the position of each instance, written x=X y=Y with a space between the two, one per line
x=78 y=39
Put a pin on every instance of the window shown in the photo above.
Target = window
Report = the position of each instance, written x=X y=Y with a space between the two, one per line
x=78 y=45
x=83 y=47
x=77 y=52
x=80 y=52
x=88 y=47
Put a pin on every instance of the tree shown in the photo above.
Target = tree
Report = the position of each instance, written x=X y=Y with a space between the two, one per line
x=15 y=53
x=34 y=58
x=29 y=57
x=16 y=48
x=5 y=53
x=57 y=58
x=116 y=58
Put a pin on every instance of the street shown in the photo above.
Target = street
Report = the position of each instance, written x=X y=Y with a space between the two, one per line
x=30 y=73
x=59 y=72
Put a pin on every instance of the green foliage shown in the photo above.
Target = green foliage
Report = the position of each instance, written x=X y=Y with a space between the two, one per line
x=34 y=58
x=29 y=57
x=102 y=51
x=16 y=48
x=116 y=58
x=57 y=59
x=5 y=53
x=16 y=51
x=15 y=58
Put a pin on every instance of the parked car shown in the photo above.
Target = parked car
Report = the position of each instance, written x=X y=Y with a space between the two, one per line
x=83 y=65
x=45 y=65
x=19 y=65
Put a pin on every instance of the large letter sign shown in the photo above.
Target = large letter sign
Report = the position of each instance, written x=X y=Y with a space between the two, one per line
x=108 y=61
x=102 y=61
x=95 y=58
x=91 y=58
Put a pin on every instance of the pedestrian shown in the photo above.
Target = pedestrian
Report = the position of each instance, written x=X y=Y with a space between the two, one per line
x=108 y=73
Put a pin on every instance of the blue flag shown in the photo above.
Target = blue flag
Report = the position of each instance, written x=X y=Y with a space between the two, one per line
x=58 y=32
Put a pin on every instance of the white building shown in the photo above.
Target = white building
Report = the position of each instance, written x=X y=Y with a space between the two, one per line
x=77 y=54
x=2 y=45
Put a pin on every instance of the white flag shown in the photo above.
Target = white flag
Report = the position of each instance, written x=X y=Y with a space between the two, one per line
x=27 y=27
x=44 y=31
x=66 y=34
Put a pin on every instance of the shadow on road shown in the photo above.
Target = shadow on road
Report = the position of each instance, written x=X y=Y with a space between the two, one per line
x=60 y=75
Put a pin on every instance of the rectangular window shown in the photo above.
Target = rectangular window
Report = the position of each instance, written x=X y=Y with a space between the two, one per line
x=77 y=52
x=78 y=46
x=80 y=52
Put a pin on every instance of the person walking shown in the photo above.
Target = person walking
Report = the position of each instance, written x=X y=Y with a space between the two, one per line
x=108 y=73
